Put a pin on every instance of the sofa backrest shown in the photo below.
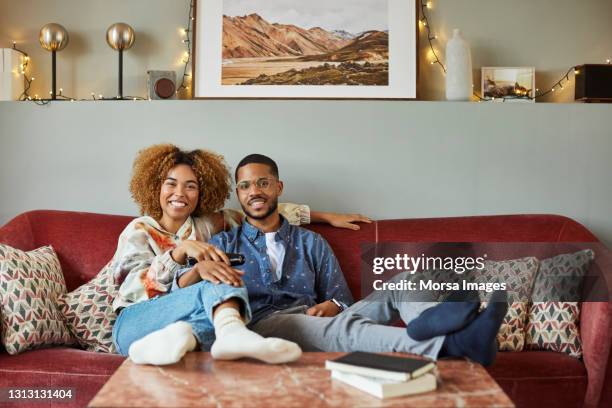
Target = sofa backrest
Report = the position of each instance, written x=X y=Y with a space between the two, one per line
x=498 y=228
x=85 y=242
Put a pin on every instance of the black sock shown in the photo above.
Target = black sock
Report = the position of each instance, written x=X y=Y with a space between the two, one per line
x=454 y=314
x=478 y=340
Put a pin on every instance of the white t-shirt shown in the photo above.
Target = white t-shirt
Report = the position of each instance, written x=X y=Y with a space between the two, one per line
x=276 y=252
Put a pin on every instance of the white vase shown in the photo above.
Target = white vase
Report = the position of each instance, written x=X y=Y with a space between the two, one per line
x=458 y=68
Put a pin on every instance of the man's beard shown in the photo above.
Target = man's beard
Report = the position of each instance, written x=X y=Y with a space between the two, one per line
x=270 y=211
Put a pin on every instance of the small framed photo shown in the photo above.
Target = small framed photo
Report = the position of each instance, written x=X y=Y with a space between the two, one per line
x=313 y=49
x=508 y=84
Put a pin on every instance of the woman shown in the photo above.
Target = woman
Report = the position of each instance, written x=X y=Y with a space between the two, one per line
x=179 y=194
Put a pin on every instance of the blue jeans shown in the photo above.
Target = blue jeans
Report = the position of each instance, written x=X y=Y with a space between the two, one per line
x=193 y=304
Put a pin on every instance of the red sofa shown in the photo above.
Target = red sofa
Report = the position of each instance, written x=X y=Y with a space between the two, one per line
x=85 y=242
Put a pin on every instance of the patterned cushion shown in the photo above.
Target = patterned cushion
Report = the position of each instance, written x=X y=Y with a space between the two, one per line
x=30 y=282
x=511 y=335
x=554 y=324
x=89 y=313
x=519 y=276
x=560 y=278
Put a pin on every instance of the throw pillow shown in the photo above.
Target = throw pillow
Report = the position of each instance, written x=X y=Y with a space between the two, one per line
x=89 y=314
x=519 y=276
x=561 y=278
x=554 y=324
x=511 y=334
x=30 y=282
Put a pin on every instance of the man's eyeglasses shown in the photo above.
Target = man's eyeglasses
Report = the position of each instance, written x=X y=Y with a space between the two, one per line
x=261 y=183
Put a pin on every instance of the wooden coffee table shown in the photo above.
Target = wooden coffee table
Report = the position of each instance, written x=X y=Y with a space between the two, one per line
x=200 y=381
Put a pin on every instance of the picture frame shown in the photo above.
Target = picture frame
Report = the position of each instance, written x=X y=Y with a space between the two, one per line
x=508 y=84
x=287 y=49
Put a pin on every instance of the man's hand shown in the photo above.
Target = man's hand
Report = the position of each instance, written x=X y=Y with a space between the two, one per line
x=325 y=309
x=217 y=272
x=340 y=220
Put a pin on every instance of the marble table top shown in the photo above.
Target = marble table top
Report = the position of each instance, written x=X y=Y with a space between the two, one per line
x=200 y=381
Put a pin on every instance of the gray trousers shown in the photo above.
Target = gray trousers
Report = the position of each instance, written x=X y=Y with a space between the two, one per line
x=361 y=327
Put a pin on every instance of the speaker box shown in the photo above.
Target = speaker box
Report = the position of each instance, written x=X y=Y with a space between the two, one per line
x=594 y=83
x=161 y=84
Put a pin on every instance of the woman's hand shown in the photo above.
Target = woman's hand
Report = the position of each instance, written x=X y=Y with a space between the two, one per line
x=339 y=220
x=199 y=250
x=217 y=272
x=325 y=309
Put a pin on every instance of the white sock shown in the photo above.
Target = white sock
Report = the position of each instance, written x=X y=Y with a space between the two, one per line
x=235 y=341
x=164 y=346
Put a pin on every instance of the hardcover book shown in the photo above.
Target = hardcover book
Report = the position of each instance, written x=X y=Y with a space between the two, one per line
x=381 y=366
x=384 y=388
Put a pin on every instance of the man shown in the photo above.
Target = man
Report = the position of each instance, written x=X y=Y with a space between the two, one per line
x=297 y=290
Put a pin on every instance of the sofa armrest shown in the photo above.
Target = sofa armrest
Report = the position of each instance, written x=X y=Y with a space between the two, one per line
x=18 y=233
x=596 y=334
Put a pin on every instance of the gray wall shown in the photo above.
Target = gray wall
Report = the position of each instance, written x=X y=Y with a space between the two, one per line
x=385 y=159
x=551 y=35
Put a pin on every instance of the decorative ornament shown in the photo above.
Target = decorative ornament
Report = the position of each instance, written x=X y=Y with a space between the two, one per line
x=53 y=37
x=459 y=85
x=120 y=37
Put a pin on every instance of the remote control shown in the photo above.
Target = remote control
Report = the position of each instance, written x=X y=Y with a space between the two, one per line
x=235 y=260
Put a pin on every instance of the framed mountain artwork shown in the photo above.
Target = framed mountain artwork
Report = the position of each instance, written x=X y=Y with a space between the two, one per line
x=319 y=49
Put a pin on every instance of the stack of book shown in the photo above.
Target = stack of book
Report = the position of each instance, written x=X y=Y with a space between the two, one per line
x=384 y=376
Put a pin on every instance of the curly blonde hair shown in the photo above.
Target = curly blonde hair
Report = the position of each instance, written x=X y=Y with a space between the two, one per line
x=151 y=168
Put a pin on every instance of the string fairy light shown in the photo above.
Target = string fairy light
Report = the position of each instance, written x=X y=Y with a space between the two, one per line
x=27 y=85
x=188 y=33
x=27 y=81
x=424 y=22
x=519 y=94
x=186 y=60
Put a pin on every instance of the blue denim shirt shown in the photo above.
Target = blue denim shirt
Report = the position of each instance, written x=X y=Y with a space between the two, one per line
x=310 y=271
